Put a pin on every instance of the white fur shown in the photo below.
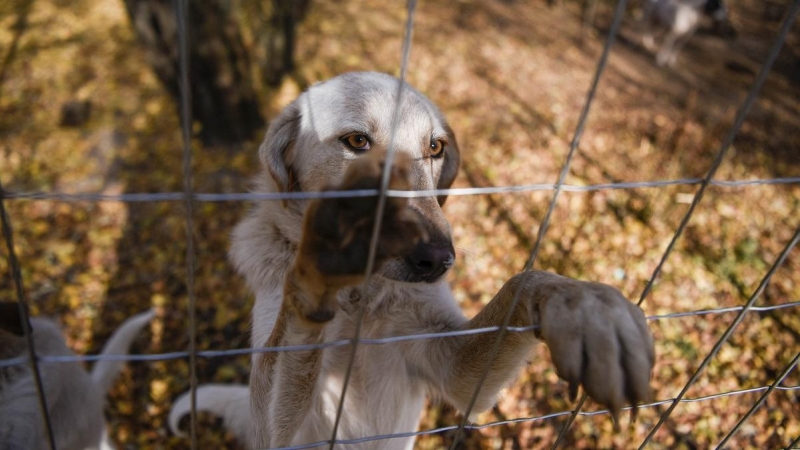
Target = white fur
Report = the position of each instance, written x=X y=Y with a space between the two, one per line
x=226 y=400
x=74 y=397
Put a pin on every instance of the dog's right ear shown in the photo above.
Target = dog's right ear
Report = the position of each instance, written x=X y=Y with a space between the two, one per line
x=275 y=150
x=9 y=318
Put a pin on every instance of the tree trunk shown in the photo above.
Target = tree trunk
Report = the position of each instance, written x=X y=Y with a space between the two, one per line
x=278 y=38
x=223 y=97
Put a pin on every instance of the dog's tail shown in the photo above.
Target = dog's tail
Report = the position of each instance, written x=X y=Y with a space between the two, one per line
x=229 y=401
x=105 y=372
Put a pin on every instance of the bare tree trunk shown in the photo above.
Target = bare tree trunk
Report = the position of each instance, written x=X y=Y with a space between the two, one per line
x=224 y=100
x=278 y=37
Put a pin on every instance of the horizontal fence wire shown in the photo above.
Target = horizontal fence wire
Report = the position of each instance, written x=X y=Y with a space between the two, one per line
x=775 y=385
x=380 y=207
x=256 y=196
x=707 y=181
x=727 y=334
x=189 y=196
x=519 y=420
x=758 y=83
x=16 y=275
x=367 y=341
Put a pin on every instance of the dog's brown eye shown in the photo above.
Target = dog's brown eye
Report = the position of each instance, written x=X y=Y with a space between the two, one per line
x=356 y=141
x=437 y=148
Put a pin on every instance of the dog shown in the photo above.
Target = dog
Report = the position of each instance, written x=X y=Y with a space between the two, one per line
x=305 y=261
x=74 y=398
x=678 y=20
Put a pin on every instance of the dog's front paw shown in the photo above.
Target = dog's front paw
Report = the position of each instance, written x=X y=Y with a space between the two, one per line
x=598 y=339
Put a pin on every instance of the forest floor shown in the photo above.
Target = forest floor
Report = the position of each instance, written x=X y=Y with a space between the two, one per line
x=511 y=77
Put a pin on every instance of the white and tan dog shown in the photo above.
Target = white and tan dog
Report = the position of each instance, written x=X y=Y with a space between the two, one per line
x=305 y=262
x=74 y=397
x=677 y=21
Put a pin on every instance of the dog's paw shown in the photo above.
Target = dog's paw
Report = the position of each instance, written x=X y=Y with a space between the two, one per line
x=597 y=339
x=338 y=231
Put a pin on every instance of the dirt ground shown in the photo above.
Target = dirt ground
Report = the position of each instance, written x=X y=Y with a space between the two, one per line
x=512 y=77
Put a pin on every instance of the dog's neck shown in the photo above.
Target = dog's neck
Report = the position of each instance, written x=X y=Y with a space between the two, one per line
x=264 y=244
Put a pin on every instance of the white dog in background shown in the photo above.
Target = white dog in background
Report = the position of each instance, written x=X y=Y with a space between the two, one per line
x=305 y=262
x=74 y=397
x=677 y=20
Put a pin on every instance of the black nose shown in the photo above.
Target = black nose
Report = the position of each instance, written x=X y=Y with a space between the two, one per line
x=428 y=260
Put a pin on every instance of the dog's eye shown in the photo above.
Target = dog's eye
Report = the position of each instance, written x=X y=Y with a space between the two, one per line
x=437 y=148
x=356 y=141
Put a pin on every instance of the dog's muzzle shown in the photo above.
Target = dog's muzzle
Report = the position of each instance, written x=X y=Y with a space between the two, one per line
x=430 y=260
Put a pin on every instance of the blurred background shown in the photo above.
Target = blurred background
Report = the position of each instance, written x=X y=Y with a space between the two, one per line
x=88 y=104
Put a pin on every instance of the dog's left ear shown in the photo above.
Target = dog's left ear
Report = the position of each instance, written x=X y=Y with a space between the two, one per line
x=9 y=318
x=278 y=143
x=452 y=159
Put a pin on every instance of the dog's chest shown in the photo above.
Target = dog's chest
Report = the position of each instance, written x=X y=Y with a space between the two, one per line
x=382 y=397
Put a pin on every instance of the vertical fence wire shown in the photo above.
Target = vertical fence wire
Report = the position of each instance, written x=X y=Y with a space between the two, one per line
x=8 y=235
x=610 y=40
x=734 y=130
x=724 y=338
x=761 y=400
x=189 y=199
x=601 y=66
x=384 y=187
x=791 y=15
x=182 y=16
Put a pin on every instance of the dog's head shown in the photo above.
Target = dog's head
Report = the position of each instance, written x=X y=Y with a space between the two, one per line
x=310 y=144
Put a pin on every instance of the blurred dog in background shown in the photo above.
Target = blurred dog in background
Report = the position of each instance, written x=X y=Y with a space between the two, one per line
x=677 y=21
x=74 y=397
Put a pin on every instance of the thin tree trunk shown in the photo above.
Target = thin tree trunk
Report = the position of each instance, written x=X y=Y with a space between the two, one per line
x=223 y=97
x=278 y=38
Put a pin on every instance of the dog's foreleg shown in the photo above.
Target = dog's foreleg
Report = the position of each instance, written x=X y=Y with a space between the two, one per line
x=467 y=356
x=282 y=383
x=597 y=338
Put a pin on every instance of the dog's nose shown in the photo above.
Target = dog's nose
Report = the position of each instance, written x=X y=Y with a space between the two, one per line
x=430 y=260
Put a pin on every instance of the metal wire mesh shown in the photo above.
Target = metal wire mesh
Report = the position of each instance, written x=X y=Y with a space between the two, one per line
x=189 y=197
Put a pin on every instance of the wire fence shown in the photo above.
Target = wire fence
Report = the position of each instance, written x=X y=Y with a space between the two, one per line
x=189 y=197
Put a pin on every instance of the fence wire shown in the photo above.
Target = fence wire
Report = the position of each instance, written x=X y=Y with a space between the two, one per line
x=791 y=15
x=384 y=187
x=717 y=162
x=189 y=197
x=601 y=66
x=182 y=16
x=151 y=357
x=33 y=360
x=311 y=195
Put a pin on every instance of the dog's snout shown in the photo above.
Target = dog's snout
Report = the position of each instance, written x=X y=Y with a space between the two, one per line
x=429 y=260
